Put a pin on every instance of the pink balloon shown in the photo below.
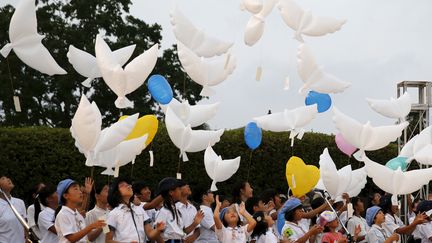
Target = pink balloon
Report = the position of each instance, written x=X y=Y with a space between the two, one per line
x=344 y=146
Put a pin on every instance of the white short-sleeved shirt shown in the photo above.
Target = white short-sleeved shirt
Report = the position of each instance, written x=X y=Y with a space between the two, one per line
x=376 y=234
x=415 y=233
x=188 y=213
x=424 y=231
x=174 y=228
x=352 y=224
x=391 y=223
x=68 y=222
x=292 y=231
x=31 y=220
x=268 y=237
x=94 y=215
x=151 y=212
x=207 y=235
x=11 y=229
x=46 y=221
x=120 y=218
x=233 y=235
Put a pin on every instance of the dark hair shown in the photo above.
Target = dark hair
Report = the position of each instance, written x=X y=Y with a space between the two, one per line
x=198 y=194
x=114 y=196
x=96 y=190
x=44 y=193
x=354 y=201
x=289 y=215
x=386 y=204
x=236 y=198
x=251 y=203
x=316 y=203
x=138 y=186
x=261 y=225
x=62 y=199
x=268 y=194
x=32 y=193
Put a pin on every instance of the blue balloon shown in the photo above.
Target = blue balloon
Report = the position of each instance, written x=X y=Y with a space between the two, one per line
x=252 y=135
x=160 y=89
x=323 y=101
x=398 y=162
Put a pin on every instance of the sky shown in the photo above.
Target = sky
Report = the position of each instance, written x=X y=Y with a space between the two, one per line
x=383 y=43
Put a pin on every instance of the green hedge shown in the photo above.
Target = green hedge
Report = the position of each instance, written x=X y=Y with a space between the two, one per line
x=33 y=154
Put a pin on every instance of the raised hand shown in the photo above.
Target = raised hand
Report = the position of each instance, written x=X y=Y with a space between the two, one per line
x=198 y=217
x=88 y=185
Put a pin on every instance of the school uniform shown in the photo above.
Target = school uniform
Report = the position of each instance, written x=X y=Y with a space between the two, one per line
x=207 y=234
x=376 y=234
x=11 y=229
x=293 y=232
x=174 y=228
x=68 y=222
x=392 y=223
x=188 y=213
x=268 y=237
x=94 y=215
x=46 y=221
x=127 y=228
x=352 y=224
x=31 y=220
x=425 y=232
x=237 y=234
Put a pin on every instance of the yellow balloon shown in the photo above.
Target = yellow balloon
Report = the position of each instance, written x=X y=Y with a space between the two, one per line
x=145 y=125
x=301 y=178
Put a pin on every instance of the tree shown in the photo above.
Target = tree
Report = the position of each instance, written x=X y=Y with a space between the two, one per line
x=52 y=101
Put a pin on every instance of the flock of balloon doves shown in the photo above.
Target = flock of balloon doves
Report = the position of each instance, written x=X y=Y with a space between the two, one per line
x=208 y=61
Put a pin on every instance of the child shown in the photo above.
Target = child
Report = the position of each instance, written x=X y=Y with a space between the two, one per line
x=69 y=223
x=34 y=209
x=424 y=231
x=175 y=231
x=127 y=222
x=49 y=199
x=293 y=213
x=329 y=220
x=207 y=229
x=357 y=219
x=100 y=210
x=263 y=231
x=375 y=219
x=228 y=224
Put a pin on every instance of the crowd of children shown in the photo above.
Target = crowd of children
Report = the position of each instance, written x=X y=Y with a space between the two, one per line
x=124 y=211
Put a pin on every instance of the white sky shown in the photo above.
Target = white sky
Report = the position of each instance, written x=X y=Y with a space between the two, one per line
x=383 y=43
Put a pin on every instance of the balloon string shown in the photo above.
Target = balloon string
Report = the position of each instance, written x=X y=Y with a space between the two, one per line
x=132 y=169
x=250 y=165
x=10 y=76
x=178 y=165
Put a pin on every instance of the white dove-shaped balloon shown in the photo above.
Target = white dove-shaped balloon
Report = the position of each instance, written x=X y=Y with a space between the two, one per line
x=397 y=182
x=86 y=127
x=314 y=77
x=394 y=108
x=193 y=115
x=422 y=148
x=252 y=6
x=116 y=133
x=255 y=26
x=408 y=149
x=26 y=41
x=364 y=136
x=123 y=81
x=304 y=23
x=217 y=169
x=288 y=120
x=345 y=180
x=120 y=155
x=195 y=39
x=205 y=72
x=186 y=139
x=85 y=63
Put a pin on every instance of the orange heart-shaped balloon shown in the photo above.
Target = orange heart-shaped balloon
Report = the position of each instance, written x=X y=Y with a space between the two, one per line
x=301 y=178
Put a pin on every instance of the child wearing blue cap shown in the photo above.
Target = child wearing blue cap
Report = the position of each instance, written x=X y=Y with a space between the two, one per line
x=69 y=223
x=293 y=231
x=229 y=228
x=375 y=219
